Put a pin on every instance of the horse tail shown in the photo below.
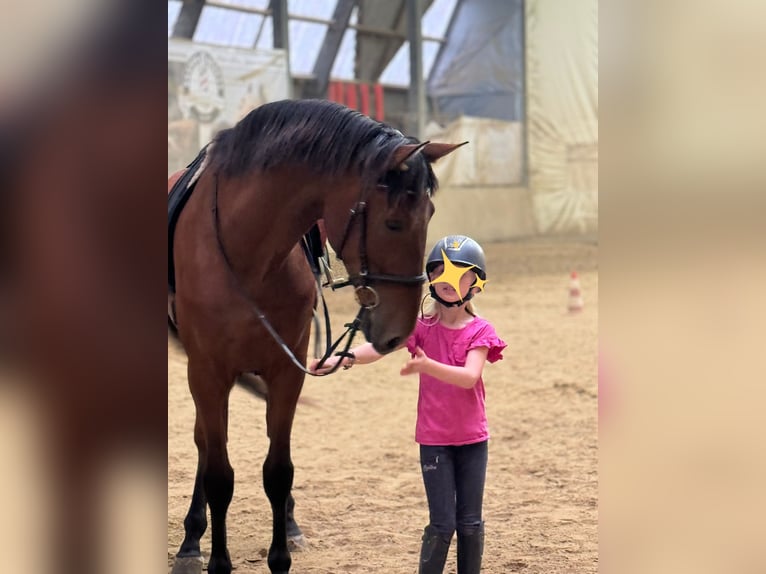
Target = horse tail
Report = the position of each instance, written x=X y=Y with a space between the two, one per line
x=173 y=336
x=253 y=384
x=250 y=382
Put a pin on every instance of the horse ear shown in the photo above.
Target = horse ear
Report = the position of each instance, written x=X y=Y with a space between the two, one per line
x=431 y=151
x=434 y=151
x=403 y=153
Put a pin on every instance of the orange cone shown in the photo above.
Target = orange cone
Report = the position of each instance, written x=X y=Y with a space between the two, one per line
x=575 y=295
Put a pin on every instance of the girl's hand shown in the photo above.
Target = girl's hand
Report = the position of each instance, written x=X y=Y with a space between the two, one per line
x=416 y=364
x=326 y=367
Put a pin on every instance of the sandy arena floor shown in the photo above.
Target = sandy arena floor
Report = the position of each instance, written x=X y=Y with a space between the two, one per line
x=358 y=490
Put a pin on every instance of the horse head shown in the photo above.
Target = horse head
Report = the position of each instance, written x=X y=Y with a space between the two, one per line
x=384 y=241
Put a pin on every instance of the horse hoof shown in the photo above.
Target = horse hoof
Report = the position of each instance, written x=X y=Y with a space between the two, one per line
x=297 y=543
x=189 y=565
x=219 y=565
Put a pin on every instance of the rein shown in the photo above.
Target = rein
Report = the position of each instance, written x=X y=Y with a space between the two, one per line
x=351 y=328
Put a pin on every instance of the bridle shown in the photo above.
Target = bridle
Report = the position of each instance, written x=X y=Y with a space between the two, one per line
x=366 y=296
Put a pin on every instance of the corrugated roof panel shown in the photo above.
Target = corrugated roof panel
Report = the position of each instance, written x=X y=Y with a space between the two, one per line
x=314 y=8
x=231 y=28
x=397 y=73
x=266 y=39
x=174 y=9
x=305 y=41
x=435 y=23
x=260 y=4
x=227 y=27
x=437 y=18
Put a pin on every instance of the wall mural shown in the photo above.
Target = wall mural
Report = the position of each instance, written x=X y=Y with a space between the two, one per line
x=210 y=88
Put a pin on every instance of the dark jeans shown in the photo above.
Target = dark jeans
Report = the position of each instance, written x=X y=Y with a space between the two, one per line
x=454 y=480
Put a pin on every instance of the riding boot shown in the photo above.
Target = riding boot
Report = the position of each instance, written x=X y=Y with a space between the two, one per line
x=469 y=550
x=433 y=552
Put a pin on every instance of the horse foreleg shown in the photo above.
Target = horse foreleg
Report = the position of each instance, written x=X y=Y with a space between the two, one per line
x=295 y=539
x=211 y=398
x=278 y=474
x=195 y=522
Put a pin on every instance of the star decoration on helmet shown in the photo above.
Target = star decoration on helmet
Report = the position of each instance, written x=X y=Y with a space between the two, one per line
x=451 y=274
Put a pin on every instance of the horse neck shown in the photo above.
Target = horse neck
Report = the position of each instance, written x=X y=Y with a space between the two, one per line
x=262 y=218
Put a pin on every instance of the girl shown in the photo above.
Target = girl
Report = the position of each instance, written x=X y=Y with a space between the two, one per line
x=449 y=347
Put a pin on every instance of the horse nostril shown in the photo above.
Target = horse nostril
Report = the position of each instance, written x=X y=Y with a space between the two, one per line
x=393 y=343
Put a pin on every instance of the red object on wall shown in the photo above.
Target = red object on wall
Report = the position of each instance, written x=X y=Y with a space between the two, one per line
x=351 y=96
x=365 y=93
x=335 y=92
x=379 y=108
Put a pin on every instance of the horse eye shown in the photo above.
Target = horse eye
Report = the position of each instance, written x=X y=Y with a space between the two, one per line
x=394 y=224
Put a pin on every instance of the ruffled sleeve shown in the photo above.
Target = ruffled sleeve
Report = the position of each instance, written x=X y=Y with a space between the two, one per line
x=485 y=336
x=412 y=344
x=415 y=339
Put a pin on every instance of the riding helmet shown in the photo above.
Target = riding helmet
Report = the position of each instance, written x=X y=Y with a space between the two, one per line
x=460 y=250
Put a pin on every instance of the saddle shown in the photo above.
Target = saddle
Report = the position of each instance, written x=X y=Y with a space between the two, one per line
x=177 y=197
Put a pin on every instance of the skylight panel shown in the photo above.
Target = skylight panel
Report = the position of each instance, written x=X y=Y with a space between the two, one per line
x=174 y=9
x=435 y=23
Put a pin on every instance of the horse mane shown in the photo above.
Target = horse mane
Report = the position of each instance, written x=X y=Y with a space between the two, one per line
x=324 y=136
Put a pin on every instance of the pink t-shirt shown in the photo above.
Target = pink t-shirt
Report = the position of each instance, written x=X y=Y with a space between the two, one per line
x=447 y=414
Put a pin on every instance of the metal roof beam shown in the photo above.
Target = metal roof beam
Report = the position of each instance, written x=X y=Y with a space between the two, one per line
x=280 y=22
x=417 y=92
x=329 y=50
x=188 y=18
x=375 y=50
x=238 y=8
x=370 y=31
x=282 y=36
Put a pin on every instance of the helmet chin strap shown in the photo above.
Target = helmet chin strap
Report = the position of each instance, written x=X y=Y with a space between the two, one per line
x=450 y=303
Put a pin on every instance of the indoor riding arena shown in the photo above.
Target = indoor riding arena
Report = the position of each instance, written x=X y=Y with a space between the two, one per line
x=359 y=494
x=517 y=80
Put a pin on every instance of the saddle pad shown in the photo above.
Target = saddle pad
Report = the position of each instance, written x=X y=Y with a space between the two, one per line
x=177 y=198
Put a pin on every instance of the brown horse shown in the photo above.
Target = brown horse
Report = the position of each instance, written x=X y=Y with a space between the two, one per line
x=244 y=292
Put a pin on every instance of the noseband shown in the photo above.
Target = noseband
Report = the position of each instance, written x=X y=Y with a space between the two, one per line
x=365 y=294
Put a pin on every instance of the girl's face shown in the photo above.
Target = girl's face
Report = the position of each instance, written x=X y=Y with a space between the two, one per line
x=447 y=291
